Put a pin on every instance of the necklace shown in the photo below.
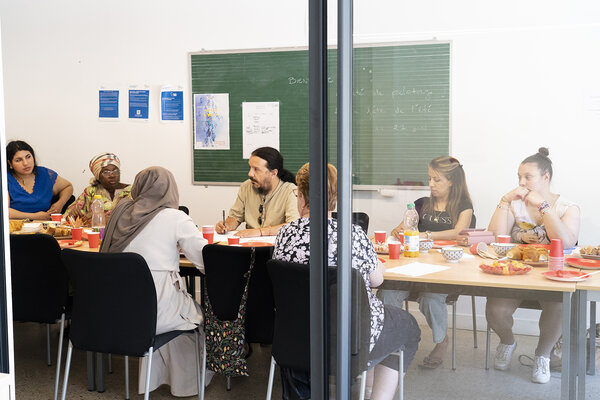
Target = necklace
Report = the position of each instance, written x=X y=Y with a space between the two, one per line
x=436 y=217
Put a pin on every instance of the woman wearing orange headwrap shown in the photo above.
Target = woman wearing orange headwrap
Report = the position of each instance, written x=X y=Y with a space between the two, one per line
x=106 y=182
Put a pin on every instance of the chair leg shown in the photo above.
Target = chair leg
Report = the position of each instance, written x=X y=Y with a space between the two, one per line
x=363 y=384
x=147 y=391
x=59 y=356
x=487 y=349
x=474 y=313
x=49 y=359
x=67 y=367
x=203 y=365
x=110 y=369
x=401 y=376
x=454 y=336
x=271 y=376
x=199 y=372
x=126 y=377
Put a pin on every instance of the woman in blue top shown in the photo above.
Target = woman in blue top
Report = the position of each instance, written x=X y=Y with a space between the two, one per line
x=31 y=188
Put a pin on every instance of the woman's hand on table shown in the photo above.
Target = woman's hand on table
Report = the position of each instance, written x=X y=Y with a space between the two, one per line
x=41 y=216
x=55 y=208
x=398 y=232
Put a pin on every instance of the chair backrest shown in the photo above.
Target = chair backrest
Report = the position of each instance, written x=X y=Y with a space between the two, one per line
x=184 y=209
x=359 y=218
x=40 y=285
x=224 y=268
x=473 y=221
x=67 y=204
x=291 y=339
x=114 y=302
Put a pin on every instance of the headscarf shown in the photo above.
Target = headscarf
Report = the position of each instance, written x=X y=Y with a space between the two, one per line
x=153 y=190
x=102 y=160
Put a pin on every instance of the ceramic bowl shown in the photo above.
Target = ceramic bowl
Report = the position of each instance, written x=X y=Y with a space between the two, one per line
x=452 y=254
x=502 y=248
x=425 y=245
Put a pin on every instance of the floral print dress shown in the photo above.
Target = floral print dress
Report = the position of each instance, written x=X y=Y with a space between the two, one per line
x=292 y=245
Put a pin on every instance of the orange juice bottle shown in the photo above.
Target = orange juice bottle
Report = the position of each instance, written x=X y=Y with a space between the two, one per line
x=411 y=231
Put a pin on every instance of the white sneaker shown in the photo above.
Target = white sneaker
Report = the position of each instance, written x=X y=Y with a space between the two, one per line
x=541 y=370
x=503 y=355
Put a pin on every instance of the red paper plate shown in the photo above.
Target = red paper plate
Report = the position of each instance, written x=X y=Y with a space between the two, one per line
x=67 y=244
x=438 y=244
x=256 y=244
x=566 y=275
x=545 y=246
x=583 y=263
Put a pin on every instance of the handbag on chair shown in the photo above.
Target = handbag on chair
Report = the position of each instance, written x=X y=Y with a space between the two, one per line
x=225 y=340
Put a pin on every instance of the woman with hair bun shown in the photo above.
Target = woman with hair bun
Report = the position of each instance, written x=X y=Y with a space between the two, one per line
x=531 y=213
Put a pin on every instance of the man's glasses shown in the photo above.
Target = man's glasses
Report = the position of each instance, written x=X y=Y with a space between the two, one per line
x=108 y=172
x=260 y=210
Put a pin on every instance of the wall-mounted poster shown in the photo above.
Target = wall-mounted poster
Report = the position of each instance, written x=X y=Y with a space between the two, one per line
x=211 y=121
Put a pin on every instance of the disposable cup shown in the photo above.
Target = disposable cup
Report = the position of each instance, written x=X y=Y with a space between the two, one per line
x=503 y=239
x=556 y=248
x=76 y=233
x=380 y=236
x=394 y=249
x=93 y=239
x=208 y=231
x=233 y=240
x=56 y=217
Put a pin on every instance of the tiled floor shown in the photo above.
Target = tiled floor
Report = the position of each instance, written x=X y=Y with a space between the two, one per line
x=35 y=380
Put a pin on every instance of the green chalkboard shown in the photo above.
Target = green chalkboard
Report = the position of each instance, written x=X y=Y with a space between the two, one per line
x=401 y=111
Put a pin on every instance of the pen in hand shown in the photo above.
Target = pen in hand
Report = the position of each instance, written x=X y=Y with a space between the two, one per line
x=224 y=226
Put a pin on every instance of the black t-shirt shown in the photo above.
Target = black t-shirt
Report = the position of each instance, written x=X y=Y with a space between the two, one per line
x=436 y=221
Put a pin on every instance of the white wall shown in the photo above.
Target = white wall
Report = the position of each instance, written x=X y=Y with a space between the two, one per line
x=522 y=75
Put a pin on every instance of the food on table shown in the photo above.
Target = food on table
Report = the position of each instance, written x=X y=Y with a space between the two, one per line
x=380 y=247
x=587 y=250
x=505 y=268
x=56 y=230
x=15 y=225
x=528 y=254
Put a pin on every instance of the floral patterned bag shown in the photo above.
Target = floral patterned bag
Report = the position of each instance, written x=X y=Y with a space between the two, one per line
x=225 y=353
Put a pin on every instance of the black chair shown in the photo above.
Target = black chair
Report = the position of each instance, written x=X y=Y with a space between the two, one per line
x=67 y=204
x=40 y=287
x=184 y=209
x=358 y=218
x=115 y=311
x=291 y=339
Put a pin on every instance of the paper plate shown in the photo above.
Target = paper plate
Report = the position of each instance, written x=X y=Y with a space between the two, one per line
x=438 y=244
x=256 y=244
x=590 y=256
x=566 y=276
x=67 y=244
x=583 y=263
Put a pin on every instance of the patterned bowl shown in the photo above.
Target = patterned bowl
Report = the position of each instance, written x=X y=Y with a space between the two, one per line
x=425 y=245
x=452 y=254
x=502 y=248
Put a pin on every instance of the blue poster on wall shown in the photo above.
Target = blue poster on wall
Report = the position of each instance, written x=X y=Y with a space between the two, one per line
x=138 y=103
x=171 y=105
x=108 y=104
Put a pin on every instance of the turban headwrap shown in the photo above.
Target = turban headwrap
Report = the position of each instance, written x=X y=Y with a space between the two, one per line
x=102 y=160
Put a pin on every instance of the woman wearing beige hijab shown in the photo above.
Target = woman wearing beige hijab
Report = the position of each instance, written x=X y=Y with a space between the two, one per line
x=151 y=225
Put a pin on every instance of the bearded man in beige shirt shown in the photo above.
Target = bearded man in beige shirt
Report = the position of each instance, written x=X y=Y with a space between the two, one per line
x=266 y=201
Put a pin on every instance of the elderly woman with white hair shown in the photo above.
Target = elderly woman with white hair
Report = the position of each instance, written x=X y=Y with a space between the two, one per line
x=106 y=182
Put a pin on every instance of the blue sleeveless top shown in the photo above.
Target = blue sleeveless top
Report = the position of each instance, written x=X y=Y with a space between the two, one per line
x=40 y=199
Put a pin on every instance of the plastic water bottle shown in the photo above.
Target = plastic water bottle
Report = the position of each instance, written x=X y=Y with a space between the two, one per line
x=97 y=209
x=411 y=231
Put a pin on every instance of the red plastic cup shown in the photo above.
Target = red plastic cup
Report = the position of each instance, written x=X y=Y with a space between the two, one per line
x=380 y=236
x=208 y=231
x=556 y=248
x=394 y=248
x=503 y=239
x=233 y=240
x=93 y=239
x=76 y=233
x=56 y=217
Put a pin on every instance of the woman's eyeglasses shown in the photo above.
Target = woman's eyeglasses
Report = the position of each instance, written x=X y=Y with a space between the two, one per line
x=108 y=172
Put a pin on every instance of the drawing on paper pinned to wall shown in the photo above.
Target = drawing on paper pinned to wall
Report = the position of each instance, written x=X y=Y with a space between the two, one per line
x=211 y=121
